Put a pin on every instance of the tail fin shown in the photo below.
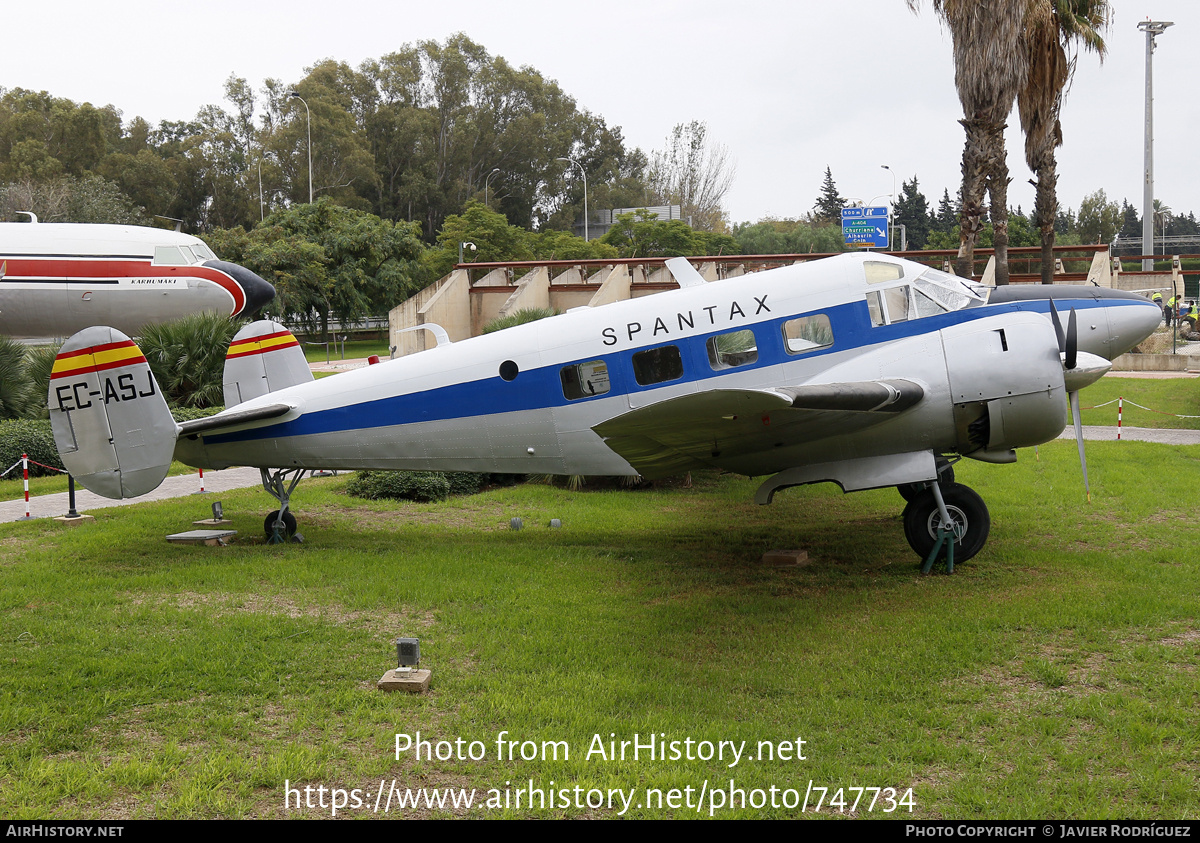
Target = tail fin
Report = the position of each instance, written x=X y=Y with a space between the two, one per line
x=110 y=421
x=263 y=357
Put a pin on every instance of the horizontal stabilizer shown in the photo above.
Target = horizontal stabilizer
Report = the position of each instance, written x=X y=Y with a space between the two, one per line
x=232 y=418
x=110 y=421
x=264 y=357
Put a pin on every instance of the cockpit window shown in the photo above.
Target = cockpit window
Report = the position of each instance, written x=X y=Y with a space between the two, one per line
x=169 y=256
x=889 y=305
x=878 y=272
x=950 y=291
x=203 y=252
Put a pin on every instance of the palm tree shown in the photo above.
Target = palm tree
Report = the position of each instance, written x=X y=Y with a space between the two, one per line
x=1054 y=30
x=990 y=66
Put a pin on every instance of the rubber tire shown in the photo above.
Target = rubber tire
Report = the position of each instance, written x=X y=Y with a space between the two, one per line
x=908 y=491
x=289 y=524
x=921 y=520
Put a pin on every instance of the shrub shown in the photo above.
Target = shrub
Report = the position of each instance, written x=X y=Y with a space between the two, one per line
x=32 y=437
x=420 y=486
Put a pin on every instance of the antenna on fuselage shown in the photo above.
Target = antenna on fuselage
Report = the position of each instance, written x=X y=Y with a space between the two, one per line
x=32 y=216
x=178 y=222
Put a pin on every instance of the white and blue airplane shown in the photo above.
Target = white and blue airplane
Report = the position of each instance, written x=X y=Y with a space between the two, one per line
x=862 y=369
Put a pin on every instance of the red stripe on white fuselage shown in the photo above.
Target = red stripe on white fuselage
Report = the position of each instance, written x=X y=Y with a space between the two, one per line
x=99 y=270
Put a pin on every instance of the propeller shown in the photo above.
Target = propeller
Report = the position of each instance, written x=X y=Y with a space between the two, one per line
x=1080 y=369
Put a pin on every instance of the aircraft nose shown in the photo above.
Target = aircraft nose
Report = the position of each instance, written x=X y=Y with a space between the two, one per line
x=259 y=292
x=1130 y=325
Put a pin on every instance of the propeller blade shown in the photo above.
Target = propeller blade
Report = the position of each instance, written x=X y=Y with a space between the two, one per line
x=1072 y=346
x=1058 y=331
x=1079 y=440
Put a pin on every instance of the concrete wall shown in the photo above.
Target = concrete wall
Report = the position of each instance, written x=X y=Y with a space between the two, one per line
x=1157 y=363
x=446 y=303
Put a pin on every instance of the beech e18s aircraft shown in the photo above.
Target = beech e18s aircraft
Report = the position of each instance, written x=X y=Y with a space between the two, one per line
x=862 y=369
x=58 y=278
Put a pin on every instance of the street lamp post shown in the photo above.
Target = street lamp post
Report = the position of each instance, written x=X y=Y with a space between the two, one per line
x=585 y=202
x=485 y=184
x=893 y=172
x=1152 y=28
x=295 y=95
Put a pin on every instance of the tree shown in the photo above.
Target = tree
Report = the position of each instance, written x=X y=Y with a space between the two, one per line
x=828 y=208
x=912 y=212
x=88 y=199
x=787 y=237
x=990 y=66
x=694 y=175
x=1098 y=220
x=1053 y=31
x=641 y=235
x=325 y=258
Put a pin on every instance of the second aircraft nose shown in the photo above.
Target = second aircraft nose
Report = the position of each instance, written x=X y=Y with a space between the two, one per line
x=259 y=292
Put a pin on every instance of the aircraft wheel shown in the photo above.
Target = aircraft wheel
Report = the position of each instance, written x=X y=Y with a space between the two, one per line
x=908 y=491
x=966 y=508
x=289 y=524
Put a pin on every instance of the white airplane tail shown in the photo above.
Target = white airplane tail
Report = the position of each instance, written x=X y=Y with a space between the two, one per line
x=110 y=421
x=263 y=357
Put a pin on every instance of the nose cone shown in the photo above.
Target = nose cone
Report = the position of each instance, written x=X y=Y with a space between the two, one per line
x=1131 y=324
x=1111 y=322
x=259 y=292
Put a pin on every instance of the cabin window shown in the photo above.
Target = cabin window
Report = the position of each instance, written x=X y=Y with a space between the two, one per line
x=808 y=333
x=583 y=380
x=169 y=256
x=657 y=365
x=727 y=351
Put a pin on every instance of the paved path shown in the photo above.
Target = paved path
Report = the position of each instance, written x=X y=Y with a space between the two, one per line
x=49 y=506
x=1092 y=432
x=45 y=506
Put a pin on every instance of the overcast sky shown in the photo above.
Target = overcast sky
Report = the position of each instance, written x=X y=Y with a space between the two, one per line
x=788 y=87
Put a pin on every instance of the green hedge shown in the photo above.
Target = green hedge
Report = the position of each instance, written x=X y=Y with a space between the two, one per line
x=29 y=436
x=421 y=486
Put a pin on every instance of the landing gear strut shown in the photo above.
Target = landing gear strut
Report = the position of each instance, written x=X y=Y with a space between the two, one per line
x=280 y=525
x=946 y=521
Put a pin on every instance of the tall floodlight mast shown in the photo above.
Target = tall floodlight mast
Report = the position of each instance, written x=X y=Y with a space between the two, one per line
x=1152 y=28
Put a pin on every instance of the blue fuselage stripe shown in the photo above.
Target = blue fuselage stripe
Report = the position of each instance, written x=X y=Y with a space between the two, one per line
x=541 y=389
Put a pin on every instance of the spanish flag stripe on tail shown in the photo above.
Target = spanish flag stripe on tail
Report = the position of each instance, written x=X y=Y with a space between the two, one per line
x=261 y=345
x=97 y=359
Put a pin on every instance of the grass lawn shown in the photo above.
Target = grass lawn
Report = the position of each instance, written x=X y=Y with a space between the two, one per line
x=354 y=349
x=1054 y=675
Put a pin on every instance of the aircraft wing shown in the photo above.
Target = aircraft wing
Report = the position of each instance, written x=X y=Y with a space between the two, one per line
x=719 y=428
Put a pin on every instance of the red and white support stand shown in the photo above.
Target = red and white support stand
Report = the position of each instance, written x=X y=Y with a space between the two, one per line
x=1120 y=406
x=25 y=471
x=201 y=492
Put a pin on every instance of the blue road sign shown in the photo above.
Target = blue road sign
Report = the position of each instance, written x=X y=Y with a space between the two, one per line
x=865 y=227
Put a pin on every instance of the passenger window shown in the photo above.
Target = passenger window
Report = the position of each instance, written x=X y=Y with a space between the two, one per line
x=657 y=365
x=583 y=380
x=736 y=348
x=808 y=333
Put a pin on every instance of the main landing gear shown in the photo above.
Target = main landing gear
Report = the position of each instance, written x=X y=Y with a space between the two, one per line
x=944 y=520
x=280 y=525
